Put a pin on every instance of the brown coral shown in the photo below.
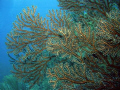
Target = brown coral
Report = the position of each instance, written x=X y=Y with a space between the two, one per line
x=85 y=60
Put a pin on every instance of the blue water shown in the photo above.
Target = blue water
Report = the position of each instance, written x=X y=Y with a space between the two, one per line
x=9 y=9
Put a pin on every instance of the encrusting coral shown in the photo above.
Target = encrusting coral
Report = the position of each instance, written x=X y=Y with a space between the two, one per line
x=71 y=54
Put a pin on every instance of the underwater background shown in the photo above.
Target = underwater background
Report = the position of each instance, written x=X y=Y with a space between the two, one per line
x=9 y=9
x=76 y=47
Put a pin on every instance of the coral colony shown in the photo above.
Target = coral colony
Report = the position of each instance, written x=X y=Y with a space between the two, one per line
x=77 y=48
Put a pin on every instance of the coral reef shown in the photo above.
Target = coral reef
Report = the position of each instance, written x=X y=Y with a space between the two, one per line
x=75 y=53
x=11 y=83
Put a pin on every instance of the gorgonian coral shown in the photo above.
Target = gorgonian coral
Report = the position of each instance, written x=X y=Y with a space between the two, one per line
x=70 y=53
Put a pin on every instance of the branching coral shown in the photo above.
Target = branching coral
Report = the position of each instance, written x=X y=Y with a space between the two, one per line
x=70 y=75
x=88 y=11
x=87 y=58
x=34 y=35
x=109 y=34
x=96 y=6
